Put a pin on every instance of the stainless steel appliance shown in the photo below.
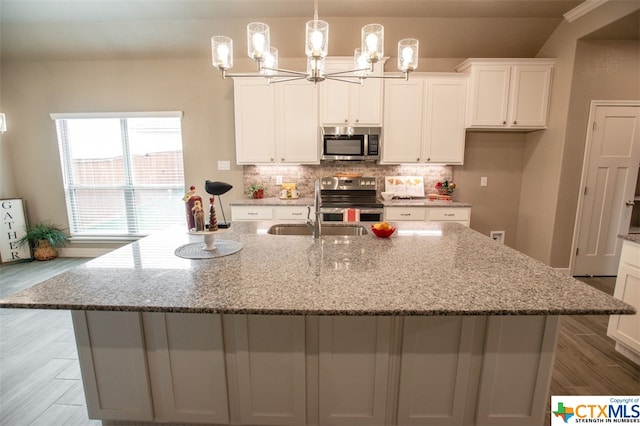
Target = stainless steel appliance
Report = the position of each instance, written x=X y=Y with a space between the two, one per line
x=350 y=143
x=339 y=194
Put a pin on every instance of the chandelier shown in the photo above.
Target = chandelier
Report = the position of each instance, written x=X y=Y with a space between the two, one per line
x=316 y=47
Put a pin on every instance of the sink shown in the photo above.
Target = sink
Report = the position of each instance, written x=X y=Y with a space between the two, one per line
x=333 y=229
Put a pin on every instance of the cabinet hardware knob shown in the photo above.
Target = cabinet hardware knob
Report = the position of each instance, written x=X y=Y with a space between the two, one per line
x=357 y=120
x=282 y=159
x=270 y=159
x=515 y=122
x=504 y=122
x=346 y=121
x=418 y=159
x=630 y=203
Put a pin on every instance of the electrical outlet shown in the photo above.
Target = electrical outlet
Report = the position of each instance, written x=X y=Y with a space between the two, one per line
x=497 y=236
x=224 y=165
x=278 y=180
x=483 y=181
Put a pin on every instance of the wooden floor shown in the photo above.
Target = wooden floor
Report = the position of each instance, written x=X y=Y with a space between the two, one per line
x=40 y=381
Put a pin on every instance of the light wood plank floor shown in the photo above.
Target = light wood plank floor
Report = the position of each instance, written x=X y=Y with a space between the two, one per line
x=40 y=381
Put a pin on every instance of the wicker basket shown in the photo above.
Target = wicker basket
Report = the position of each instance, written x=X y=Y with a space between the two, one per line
x=44 y=251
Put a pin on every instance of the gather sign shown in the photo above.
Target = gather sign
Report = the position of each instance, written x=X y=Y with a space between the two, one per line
x=12 y=228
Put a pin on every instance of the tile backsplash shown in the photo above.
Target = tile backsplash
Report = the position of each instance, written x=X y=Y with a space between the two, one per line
x=305 y=176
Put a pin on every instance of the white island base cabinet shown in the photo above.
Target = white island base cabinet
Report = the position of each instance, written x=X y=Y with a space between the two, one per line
x=315 y=370
x=625 y=329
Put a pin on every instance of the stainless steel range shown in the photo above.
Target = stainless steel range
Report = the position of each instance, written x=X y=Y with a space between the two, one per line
x=339 y=195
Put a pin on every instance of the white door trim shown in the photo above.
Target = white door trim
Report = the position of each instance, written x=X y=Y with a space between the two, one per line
x=585 y=162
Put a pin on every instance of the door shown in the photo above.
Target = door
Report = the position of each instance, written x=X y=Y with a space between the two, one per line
x=612 y=155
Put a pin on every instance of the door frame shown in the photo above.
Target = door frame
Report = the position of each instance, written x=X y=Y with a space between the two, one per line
x=585 y=168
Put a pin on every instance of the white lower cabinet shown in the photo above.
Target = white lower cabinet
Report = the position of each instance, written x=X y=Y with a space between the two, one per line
x=113 y=364
x=288 y=213
x=185 y=355
x=316 y=370
x=436 y=350
x=269 y=368
x=354 y=370
x=625 y=329
x=460 y=215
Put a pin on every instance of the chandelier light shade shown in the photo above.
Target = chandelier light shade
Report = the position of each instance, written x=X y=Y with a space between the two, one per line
x=222 y=52
x=408 y=54
x=373 y=42
x=270 y=64
x=317 y=38
x=316 y=50
x=258 y=41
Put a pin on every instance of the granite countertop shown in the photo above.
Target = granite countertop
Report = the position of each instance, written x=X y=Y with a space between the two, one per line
x=423 y=269
x=273 y=201
x=422 y=202
x=631 y=237
x=399 y=202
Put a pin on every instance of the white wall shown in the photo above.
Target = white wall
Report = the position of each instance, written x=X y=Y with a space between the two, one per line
x=544 y=150
x=38 y=89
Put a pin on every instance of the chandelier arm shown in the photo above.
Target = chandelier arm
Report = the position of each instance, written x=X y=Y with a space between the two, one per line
x=341 y=79
x=286 y=71
x=339 y=73
x=283 y=79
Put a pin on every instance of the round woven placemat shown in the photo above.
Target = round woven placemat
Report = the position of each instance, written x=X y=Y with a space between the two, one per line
x=195 y=251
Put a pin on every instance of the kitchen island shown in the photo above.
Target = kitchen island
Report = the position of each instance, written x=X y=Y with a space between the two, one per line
x=436 y=325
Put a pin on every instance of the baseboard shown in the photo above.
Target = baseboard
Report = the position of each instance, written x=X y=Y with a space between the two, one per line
x=83 y=252
x=565 y=271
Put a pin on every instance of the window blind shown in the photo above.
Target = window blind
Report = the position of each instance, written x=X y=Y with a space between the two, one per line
x=123 y=173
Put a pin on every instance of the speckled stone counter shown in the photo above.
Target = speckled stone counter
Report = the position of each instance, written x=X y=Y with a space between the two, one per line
x=273 y=201
x=423 y=269
x=423 y=202
x=400 y=202
x=631 y=237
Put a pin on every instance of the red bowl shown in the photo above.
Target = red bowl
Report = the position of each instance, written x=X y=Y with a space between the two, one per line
x=383 y=233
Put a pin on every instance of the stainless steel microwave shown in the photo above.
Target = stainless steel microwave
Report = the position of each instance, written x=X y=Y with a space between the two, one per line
x=350 y=143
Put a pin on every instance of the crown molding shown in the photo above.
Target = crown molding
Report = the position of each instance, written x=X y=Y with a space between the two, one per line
x=582 y=9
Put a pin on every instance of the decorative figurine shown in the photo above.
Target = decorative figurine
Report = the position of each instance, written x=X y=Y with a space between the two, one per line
x=198 y=216
x=190 y=198
x=213 y=220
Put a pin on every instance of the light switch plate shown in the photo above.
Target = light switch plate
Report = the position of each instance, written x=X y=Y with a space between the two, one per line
x=483 y=181
x=224 y=165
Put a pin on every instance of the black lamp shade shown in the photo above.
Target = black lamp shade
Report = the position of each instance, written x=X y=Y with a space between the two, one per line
x=216 y=188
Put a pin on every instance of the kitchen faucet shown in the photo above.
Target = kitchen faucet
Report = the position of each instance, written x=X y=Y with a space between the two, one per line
x=315 y=224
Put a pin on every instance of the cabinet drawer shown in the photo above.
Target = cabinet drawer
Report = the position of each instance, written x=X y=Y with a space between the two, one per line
x=446 y=214
x=251 y=213
x=291 y=213
x=405 y=213
x=630 y=253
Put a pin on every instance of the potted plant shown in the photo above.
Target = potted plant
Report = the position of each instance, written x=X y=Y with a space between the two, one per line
x=256 y=191
x=44 y=238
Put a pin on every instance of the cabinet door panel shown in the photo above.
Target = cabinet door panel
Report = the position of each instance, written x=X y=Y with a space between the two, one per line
x=334 y=97
x=435 y=350
x=530 y=99
x=254 y=121
x=270 y=357
x=187 y=368
x=113 y=364
x=298 y=128
x=516 y=370
x=366 y=102
x=444 y=130
x=402 y=130
x=353 y=364
x=405 y=213
x=490 y=87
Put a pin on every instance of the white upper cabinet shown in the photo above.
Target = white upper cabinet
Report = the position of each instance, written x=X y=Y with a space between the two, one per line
x=402 y=129
x=351 y=104
x=297 y=130
x=276 y=123
x=424 y=120
x=255 y=121
x=508 y=94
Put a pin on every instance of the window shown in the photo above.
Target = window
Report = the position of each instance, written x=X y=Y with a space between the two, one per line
x=123 y=173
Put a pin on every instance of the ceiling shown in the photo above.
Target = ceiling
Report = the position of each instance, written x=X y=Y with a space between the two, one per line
x=147 y=29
